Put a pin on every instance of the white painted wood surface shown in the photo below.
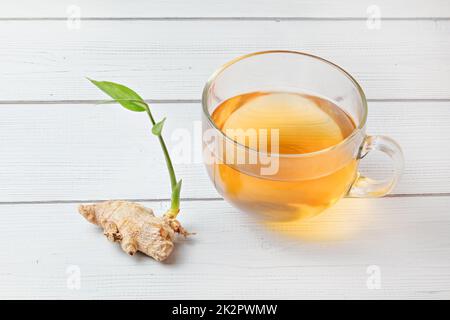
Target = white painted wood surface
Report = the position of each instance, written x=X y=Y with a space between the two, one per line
x=172 y=60
x=225 y=8
x=75 y=152
x=234 y=256
x=57 y=148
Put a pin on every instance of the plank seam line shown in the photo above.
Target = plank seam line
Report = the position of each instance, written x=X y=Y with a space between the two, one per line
x=100 y=200
x=3 y=102
x=224 y=19
x=181 y=101
x=399 y=195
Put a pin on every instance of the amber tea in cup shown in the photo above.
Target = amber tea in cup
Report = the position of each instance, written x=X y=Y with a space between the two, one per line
x=284 y=132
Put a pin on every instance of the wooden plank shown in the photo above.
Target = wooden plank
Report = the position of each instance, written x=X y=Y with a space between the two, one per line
x=75 y=152
x=236 y=256
x=44 y=60
x=224 y=8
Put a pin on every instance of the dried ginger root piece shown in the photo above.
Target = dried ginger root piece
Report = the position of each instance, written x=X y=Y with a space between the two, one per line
x=135 y=227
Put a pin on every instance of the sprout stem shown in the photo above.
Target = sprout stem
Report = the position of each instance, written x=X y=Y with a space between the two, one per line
x=175 y=201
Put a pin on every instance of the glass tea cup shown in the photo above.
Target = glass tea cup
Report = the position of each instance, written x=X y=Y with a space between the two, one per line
x=289 y=186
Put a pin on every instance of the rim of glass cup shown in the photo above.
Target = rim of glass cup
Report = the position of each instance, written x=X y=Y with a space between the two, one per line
x=213 y=77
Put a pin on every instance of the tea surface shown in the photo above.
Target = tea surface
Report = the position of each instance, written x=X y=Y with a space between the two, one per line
x=305 y=124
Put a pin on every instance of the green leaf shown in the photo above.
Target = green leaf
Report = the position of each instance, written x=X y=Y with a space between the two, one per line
x=157 y=128
x=176 y=196
x=122 y=94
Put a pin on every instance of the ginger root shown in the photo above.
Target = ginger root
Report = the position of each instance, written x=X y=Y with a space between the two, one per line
x=135 y=227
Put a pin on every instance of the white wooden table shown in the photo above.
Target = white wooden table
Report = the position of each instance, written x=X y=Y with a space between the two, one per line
x=58 y=149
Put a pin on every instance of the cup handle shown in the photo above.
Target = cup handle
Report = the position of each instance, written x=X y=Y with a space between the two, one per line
x=366 y=187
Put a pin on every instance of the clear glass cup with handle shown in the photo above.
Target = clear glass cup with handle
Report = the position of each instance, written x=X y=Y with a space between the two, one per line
x=303 y=184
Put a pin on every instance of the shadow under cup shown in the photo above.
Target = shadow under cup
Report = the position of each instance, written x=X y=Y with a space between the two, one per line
x=290 y=186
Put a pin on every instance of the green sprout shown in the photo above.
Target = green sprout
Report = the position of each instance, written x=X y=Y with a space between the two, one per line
x=133 y=102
